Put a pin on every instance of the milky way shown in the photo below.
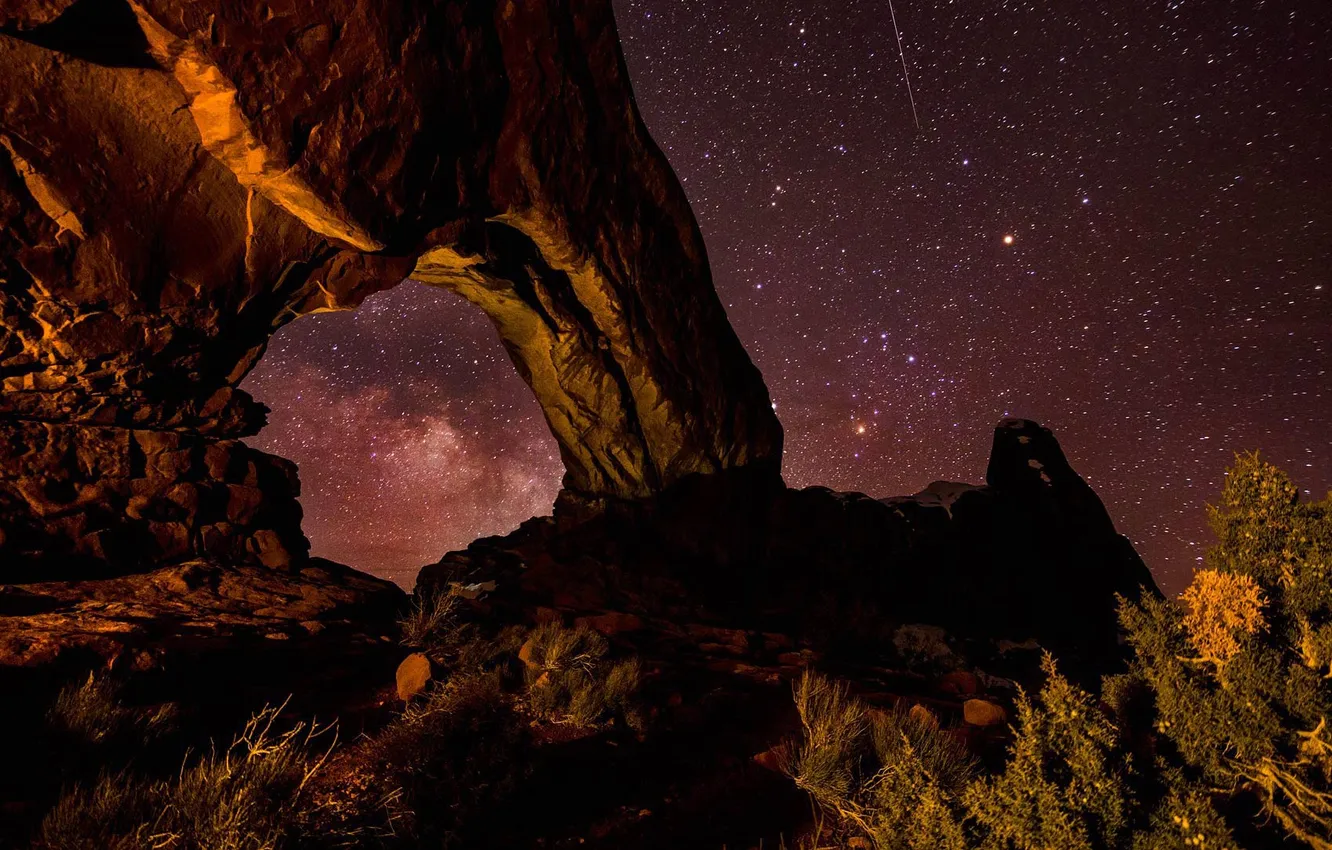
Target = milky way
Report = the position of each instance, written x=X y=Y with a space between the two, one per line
x=1117 y=224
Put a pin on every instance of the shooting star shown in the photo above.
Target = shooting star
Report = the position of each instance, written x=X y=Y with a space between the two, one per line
x=905 y=74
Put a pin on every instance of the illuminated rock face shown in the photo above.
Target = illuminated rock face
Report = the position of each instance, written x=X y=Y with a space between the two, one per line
x=179 y=178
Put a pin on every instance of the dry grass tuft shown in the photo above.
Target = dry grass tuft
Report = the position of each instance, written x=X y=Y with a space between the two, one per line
x=431 y=620
x=92 y=713
x=243 y=798
x=886 y=777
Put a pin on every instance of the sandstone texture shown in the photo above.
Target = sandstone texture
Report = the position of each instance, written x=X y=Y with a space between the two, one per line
x=179 y=179
x=82 y=498
x=161 y=618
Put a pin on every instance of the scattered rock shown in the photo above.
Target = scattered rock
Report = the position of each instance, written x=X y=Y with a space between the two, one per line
x=543 y=615
x=979 y=712
x=920 y=644
x=923 y=716
x=413 y=676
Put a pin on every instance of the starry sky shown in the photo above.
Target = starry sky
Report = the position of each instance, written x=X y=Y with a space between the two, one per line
x=1114 y=218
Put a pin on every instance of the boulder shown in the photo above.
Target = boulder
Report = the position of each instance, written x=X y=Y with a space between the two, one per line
x=414 y=674
x=923 y=717
x=979 y=712
x=612 y=623
x=527 y=654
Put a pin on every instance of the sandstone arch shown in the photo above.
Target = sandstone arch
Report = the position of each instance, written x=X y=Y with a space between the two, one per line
x=178 y=179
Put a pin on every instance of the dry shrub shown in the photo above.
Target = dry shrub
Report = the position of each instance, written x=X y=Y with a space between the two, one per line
x=1222 y=608
x=890 y=777
x=243 y=798
x=431 y=778
x=571 y=678
x=431 y=621
x=92 y=713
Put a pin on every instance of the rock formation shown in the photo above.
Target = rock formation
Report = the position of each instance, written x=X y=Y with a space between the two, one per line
x=1031 y=554
x=178 y=179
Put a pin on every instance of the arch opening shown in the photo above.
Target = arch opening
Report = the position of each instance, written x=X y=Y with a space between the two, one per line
x=413 y=433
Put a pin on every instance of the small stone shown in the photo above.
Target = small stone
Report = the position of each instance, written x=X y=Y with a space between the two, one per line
x=527 y=653
x=413 y=675
x=979 y=712
x=923 y=717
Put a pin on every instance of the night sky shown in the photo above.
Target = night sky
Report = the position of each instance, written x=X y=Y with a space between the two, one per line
x=1118 y=223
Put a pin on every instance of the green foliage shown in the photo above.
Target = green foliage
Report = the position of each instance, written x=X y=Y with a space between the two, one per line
x=1066 y=781
x=240 y=799
x=571 y=678
x=1242 y=702
x=1222 y=714
x=1186 y=820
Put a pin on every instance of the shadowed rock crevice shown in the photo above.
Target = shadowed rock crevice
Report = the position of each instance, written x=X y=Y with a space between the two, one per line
x=104 y=32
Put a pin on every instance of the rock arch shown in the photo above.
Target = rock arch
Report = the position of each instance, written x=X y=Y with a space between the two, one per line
x=178 y=179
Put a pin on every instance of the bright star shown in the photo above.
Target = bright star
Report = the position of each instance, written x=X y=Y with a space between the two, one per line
x=1008 y=239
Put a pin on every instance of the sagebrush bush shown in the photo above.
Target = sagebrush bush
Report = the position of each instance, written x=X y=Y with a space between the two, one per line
x=889 y=776
x=571 y=677
x=431 y=620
